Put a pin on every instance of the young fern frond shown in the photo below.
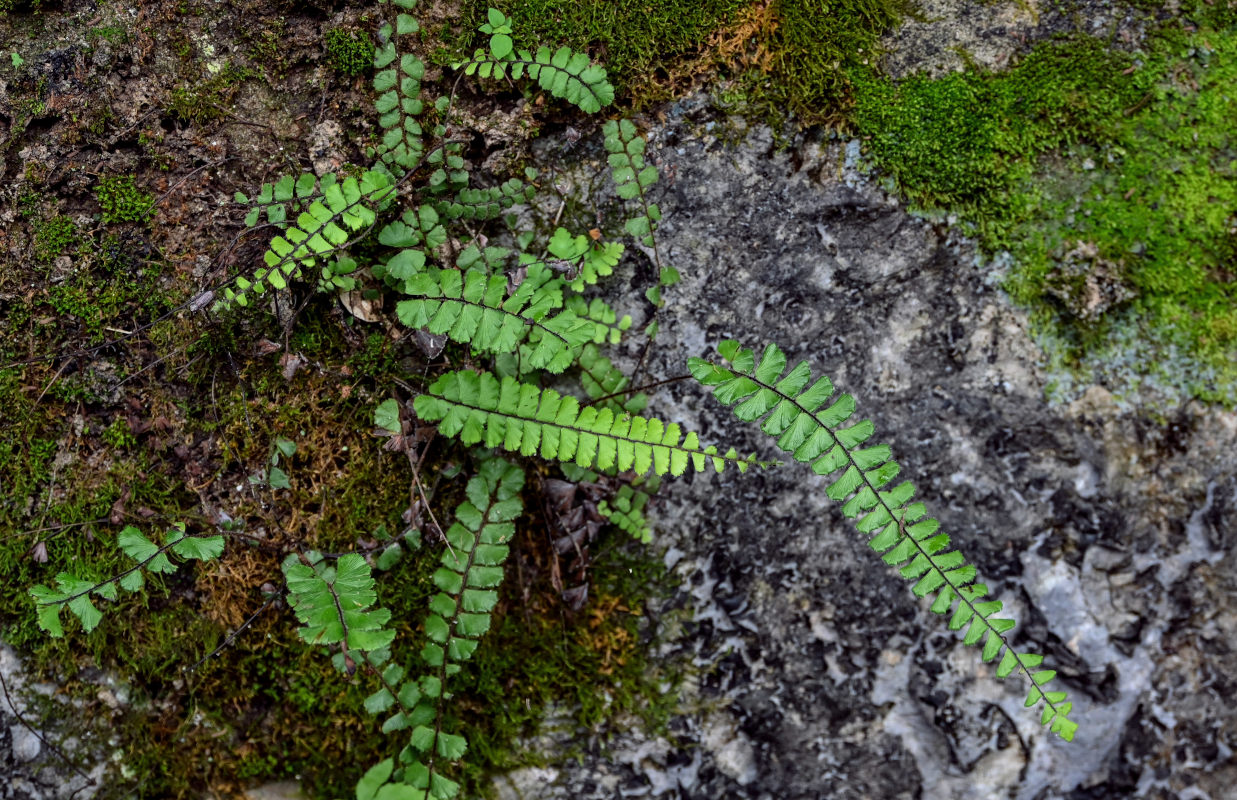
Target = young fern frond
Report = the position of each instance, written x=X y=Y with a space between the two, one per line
x=626 y=510
x=319 y=232
x=485 y=204
x=74 y=593
x=585 y=261
x=473 y=308
x=399 y=97
x=479 y=408
x=633 y=178
x=564 y=73
x=333 y=603
x=468 y=579
x=793 y=409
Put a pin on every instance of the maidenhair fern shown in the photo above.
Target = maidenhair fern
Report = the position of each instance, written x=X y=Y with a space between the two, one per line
x=74 y=592
x=397 y=82
x=473 y=307
x=520 y=313
x=479 y=408
x=563 y=73
x=489 y=203
x=319 y=232
x=468 y=578
x=633 y=178
x=794 y=410
x=333 y=601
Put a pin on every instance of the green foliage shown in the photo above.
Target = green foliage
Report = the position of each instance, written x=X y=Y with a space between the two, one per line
x=121 y=200
x=797 y=411
x=1109 y=179
x=633 y=178
x=637 y=36
x=412 y=230
x=627 y=512
x=460 y=612
x=349 y=52
x=399 y=104
x=74 y=592
x=563 y=73
x=480 y=408
x=483 y=204
x=319 y=232
x=473 y=307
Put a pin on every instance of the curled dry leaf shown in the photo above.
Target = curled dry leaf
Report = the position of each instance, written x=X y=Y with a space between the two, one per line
x=361 y=307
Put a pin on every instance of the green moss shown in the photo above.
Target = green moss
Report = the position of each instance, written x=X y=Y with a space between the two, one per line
x=52 y=237
x=349 y=52
x=1111 y=180
x=121 y=200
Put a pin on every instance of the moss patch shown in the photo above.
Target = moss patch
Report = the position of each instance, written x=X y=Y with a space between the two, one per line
x=1109 y=177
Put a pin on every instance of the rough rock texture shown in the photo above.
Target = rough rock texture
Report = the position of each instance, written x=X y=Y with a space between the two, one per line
x=28 y=769
x=1105 y=531
x=947 y=35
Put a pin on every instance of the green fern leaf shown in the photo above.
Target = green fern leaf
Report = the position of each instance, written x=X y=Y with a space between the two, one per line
x=332 y=602
x=793 y=415
x=473 y=308
x=319 y=232
x=481 y=409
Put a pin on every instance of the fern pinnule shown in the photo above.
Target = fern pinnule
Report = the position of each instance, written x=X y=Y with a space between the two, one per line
x=479 y=408
x=792 y=406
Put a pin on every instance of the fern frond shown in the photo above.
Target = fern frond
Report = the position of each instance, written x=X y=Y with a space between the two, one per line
x=794 y=410
x=586 y=261
x=633 y=178
x=74 y=593
x=627 y=512
x=473 y=308
x=333 y=600
x=564 y=73
x=399 y=97
x=319 y=232
x=600 y=378
x=483 y=204
x=289 y=193
x=520 y=417
x=468 y=579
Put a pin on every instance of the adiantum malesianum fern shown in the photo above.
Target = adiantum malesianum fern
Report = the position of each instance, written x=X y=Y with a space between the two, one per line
x=480 y=408
x=334 y=211
x=564 y=73
x=633 y=178
x=334 y=602
x=797 y=411
x=75 y=592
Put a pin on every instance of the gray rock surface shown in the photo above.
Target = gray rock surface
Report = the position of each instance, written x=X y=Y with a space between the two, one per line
x=1104 y=529
x=30 y=720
